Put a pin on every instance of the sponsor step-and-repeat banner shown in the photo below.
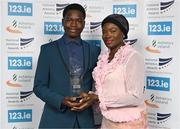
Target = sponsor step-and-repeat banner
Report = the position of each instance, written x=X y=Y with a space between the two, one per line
x=161 y=62
x=0 y=65
x=27 y=24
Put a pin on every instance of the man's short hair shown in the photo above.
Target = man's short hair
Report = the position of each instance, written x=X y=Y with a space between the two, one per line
x=74 y=6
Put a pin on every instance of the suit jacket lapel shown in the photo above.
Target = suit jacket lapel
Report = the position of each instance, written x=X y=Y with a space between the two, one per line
x=86 y=53
x=63 y=53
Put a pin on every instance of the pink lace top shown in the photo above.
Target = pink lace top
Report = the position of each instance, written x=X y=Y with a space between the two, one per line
x=119 y=84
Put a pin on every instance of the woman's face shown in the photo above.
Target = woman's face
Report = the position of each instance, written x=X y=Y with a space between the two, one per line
x=112 y=36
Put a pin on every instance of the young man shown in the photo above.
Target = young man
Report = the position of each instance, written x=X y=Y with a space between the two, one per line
x=64 y=75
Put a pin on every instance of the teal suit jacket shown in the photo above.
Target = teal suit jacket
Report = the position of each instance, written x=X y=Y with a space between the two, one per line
x=52 y=84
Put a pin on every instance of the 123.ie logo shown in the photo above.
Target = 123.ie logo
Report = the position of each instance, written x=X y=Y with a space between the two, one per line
x=128 y=10
x=158 y=83
x=24 y=115
x=20 y=9
x=53 y=28
x=160 y=28
x=19 y=63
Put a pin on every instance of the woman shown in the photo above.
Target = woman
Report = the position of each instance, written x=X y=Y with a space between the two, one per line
x=119 y=78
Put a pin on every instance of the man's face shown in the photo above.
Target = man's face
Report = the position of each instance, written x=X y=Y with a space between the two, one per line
x=73 y=23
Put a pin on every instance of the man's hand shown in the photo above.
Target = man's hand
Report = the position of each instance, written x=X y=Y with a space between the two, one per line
x=70 y=102
x=86 y=101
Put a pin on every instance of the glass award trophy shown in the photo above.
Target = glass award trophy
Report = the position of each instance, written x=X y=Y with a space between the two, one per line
x=75 y=80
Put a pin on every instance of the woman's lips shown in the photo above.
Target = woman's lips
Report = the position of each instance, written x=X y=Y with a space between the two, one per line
x=108 y=41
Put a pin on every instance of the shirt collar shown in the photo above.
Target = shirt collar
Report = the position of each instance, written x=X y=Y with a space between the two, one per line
x=69 y=40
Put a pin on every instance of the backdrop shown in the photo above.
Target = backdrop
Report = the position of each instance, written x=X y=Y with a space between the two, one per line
x=27 y=24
